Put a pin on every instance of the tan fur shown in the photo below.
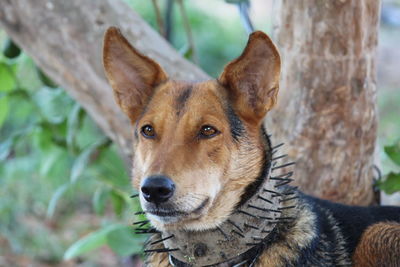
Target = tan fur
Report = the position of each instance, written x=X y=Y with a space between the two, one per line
x=379 y=246
x=214 y=171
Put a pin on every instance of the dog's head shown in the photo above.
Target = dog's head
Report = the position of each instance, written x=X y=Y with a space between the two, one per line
x=196 y=145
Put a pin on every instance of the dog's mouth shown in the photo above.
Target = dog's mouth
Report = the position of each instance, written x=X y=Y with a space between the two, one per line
x=172 y=212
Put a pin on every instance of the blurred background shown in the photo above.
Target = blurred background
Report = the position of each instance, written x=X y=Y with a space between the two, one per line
x=64 y=190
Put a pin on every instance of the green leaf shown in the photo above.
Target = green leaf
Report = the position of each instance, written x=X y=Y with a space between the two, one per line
x=124 y=242
x=7 y=81
x=82 y=161
x=54 y=199
x=5 y=148
x=3 y=109
x=99 y=200
x=45 y=79
x=90 y=242
x=73 y=125
x=11 y=50
x=53 y=103
x=394 y=152
x=118 y=202
x=80 y=164
x=391 y=184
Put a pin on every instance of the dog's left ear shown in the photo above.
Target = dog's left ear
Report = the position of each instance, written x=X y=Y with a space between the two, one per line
x=253 y=78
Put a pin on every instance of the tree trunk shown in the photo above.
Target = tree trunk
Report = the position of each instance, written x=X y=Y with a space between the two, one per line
x=327 y=104
x=327 y=100
x=65 y=39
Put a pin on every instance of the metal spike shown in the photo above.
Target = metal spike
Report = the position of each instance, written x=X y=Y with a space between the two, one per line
x=246 y=213
x=141 y=223
x=292 y=191
x=288 y=181
x=282 y=176
x=285 y=218
x=264 y=199
x=134 y=195
x=161 y=240
x=160 y=250
x=286 y=208
x=235 y=225
x=288 y=199
x=277 y=146
x=279 y=157
x=223 y=233
x=251 y=226
x=275 y=193
x=263 y=209
x=236 y=232
x=146 y=231
x=265 y=218
x=257 y=238
x=283 y=165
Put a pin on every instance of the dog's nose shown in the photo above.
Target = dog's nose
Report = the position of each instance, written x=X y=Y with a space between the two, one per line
x=158 y=189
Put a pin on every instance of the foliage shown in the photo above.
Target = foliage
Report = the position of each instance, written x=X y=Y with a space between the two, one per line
x=56 y=164
x=52 y=156
x=391 y=184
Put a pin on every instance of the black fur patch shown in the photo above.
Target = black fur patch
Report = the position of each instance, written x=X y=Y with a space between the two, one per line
x=182 y=99
x=184 y=96
x=235 y=124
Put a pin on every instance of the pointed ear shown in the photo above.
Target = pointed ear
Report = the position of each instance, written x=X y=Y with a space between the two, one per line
x=253 y=79
x=132 y=75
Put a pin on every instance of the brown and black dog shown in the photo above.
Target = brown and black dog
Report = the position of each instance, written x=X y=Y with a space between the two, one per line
x=201 y=154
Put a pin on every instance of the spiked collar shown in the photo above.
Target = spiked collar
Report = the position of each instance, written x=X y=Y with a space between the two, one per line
x=243 y=236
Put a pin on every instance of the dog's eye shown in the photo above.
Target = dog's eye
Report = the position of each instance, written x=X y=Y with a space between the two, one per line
x=148 y=131
x=208 y=131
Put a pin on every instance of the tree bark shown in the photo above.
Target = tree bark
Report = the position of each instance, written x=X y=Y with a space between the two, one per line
x=326 y=109
x=327 y=104
x=65 y=39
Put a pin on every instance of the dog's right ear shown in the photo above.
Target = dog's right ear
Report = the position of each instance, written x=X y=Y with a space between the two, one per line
x=132 y=75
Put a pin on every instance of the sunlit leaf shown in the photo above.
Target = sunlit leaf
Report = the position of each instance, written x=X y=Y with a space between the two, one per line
x=118 y=202
x=5 y=148
x=45 y=79
x=7 y=81
x=82 y=161
x=391 y=184
x=124 y=242
x=55 y=198
x=4 y=107
x=73 y=124
x=80 y=164
x=99 y=200
x=90 y=242
x=53 y=103
x=394 y=152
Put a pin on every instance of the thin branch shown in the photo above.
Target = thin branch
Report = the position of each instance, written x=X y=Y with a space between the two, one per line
x=159 y=19
x=188 y=31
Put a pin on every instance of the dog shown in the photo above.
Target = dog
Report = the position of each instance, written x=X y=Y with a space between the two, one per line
x=207 y=173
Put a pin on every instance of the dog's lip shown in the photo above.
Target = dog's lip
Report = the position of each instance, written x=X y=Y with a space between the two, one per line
x=177 y=213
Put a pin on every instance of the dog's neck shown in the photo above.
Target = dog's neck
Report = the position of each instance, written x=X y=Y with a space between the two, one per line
x=251 y=227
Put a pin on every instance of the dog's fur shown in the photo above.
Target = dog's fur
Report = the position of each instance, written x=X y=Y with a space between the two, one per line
x=213 y=174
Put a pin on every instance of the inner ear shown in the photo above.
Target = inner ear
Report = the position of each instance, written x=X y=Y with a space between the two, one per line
x=252 y=79
x=132 y=75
